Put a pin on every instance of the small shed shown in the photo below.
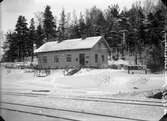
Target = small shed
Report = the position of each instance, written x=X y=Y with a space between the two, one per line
x=86 y=52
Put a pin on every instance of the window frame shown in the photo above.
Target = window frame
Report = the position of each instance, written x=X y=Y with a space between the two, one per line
x=68 y=58
x=56 y=59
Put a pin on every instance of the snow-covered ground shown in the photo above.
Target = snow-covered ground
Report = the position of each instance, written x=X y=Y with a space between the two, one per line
x=86 y=81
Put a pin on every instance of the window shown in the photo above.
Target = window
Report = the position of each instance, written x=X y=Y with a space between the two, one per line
x=44 y=59
x=96 y=58
x=102 y=57
x=56 y=59
x=68 y=58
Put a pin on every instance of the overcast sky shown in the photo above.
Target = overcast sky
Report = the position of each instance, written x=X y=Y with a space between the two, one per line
x=11 y=9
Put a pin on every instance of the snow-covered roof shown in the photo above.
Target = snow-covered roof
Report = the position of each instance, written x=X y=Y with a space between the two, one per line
x=72 y=44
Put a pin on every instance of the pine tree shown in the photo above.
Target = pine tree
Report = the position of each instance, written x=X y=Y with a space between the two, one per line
x=10 y=47
x=22 y=38
x=32 y=37
x=155 y=38
x=94 y=13
x=82 y=25
x=112 y=34
x=49 y=24
x=94 y=22
x=62 y=25
x=88 y=23
x=75 y=33
x=40 y=36
x=101 y=23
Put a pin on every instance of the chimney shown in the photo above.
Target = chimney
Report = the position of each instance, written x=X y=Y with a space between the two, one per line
x=83 y=36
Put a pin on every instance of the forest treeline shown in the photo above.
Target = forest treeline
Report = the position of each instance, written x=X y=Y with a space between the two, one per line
x=143 y=24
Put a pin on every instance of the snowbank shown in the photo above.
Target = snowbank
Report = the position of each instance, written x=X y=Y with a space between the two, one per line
x=86 y=80
x=118 y=62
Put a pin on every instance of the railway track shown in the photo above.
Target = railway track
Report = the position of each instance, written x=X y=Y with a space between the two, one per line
x=93 y=99
x=83 y=114
x=38 y=114
x=71 y=115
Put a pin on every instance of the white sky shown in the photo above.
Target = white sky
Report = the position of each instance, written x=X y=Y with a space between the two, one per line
x=11 y=9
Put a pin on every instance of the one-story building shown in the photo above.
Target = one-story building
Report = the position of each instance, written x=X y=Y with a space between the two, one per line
x=86 y=52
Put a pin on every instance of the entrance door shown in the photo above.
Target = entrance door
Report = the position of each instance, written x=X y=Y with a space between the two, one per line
x=82 y=59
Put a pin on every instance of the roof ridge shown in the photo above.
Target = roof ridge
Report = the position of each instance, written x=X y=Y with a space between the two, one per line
x=70 y=44
x=73 y=39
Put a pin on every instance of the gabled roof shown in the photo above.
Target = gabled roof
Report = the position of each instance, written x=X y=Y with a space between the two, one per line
x=72 y=44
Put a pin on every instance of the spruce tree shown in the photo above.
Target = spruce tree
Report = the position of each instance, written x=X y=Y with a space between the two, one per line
x=32 y=37
x=62 y=26
x=10 y=47
x=82 y=26
x=49 y=24
x=22 y=38
x=40 y=35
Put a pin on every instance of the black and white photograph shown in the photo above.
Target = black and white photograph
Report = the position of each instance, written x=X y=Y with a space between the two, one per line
x=83 y=60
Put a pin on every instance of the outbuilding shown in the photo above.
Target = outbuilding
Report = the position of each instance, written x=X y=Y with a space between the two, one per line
x=85 y=52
